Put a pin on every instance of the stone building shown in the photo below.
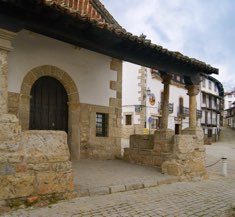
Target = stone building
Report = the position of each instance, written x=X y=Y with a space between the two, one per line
x=54 y=85
x=61 y=75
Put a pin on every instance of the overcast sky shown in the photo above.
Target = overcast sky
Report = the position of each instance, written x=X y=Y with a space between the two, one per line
x=202 y=29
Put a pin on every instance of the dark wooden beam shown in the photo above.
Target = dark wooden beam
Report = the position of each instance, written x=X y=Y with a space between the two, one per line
x=61 y=26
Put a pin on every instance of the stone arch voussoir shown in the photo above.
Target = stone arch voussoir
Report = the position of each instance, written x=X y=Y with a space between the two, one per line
x=55 y=72
x=73 y=101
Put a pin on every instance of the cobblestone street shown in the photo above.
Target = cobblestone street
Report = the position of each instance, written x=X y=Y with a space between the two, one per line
x=207 y=198
x=211 y=197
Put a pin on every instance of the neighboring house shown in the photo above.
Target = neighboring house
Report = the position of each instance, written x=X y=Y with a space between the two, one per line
x=142 y=110
x=229 y=109
x=212 y=102
x=229 y=99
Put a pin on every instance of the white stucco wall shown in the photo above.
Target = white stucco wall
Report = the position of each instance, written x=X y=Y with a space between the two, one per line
x=130 y=86
x=213 y=90
x=90 y=71
x=130 y=95
x=228 y=100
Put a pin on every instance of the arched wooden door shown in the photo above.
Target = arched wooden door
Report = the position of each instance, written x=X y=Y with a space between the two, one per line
x=48 y=105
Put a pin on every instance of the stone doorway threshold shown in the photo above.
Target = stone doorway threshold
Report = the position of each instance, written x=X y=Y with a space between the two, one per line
x=99 y=177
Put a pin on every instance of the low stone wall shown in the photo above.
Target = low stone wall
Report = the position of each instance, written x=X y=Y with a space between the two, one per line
x=141 y=141
x=141 y=151
x=179 y=155
x=187 y=158
x=34 y=167
x=142 y=157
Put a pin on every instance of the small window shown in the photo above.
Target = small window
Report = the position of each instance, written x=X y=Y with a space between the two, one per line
x=101 y=124
x=210 y=85
x=128 y=119
x=204 y=98
x=215 y=88
x=209 y=133
x=203 y=82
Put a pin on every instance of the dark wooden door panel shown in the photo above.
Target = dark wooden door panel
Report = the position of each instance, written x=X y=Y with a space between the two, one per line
x=48 y=105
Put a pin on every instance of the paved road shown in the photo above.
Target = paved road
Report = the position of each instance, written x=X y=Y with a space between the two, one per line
x=224 y=148
x=207 y=198
x=212 y=197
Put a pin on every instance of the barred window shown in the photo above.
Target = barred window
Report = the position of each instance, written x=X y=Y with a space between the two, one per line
x=128 y=119
x=101 y=124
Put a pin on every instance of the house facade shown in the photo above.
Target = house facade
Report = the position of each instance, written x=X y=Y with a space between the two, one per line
x=229 y=109
x=212 y=104
x=142 y=109
x=84 y=103
x=87 y=100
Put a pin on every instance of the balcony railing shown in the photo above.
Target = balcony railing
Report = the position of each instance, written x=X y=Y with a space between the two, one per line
x=199 y=114
x=216 y=107
x=209 y=121
x=184 y=111
x=170 y=107
x=229 y=112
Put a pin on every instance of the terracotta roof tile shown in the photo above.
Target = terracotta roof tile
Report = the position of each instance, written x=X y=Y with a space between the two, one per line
x=91 y=8
x=75 y=11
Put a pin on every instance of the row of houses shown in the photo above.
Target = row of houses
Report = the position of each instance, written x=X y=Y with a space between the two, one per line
x=142 y=106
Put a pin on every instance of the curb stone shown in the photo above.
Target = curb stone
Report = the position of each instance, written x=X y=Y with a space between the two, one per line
x=102 y=190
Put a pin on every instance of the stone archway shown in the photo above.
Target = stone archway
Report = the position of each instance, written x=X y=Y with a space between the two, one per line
x=73 y=103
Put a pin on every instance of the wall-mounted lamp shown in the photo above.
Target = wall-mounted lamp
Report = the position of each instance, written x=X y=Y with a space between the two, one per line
x=148 y=92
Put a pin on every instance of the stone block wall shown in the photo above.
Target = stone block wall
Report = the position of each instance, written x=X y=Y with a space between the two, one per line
x=141 y=151
x=141 y=141
x=13 y=103
x=35 y=166
x=178 y=155
x=187 y=158
x=99 y=147
x=107 y=147
x=136 y=129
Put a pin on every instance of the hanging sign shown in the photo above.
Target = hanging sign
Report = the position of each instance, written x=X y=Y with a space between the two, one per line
x=152 y=99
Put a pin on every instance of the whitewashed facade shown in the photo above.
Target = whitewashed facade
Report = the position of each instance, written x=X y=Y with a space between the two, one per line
x=91 y=82
x=212 y=107
x=229 y=109
x=141 y=115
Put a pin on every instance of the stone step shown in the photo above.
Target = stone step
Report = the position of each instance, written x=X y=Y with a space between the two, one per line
x=130 y=186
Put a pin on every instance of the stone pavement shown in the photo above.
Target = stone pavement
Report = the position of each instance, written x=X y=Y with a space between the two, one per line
x=224 y=148
x=98 y=177
x=211 y=197
x=206 y=198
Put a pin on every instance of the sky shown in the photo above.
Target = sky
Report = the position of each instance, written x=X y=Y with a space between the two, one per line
x=201 y=29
